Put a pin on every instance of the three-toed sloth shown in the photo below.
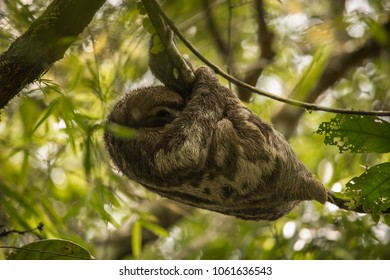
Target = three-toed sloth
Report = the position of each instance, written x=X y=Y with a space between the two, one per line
x=208 y=151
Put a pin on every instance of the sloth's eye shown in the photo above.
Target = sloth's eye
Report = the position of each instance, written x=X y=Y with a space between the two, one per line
x=163 y=114
x=159 y=117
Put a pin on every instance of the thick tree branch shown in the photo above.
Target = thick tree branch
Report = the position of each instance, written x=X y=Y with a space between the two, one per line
x=45 y=42
x=166 y=38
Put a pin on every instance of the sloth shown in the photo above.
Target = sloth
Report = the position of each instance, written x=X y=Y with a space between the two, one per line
x=208 y=151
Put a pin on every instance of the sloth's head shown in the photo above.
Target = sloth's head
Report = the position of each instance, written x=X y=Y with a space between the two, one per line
x=147 y=107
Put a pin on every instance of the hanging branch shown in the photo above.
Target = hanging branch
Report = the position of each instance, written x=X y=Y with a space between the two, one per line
x=304 y=105
x=167 y=39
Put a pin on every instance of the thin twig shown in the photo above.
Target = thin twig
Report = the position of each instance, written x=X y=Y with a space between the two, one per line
x=304 y=105
x=5 y=232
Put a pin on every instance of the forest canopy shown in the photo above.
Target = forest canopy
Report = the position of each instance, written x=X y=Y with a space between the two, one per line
x=318 y=71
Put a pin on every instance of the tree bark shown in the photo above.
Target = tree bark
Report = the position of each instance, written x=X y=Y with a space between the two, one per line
x=45 y=42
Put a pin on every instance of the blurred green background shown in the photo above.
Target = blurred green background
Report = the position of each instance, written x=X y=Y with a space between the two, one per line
x=54 y=168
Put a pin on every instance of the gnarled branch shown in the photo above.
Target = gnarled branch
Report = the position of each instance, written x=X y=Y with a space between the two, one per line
x=45 y=42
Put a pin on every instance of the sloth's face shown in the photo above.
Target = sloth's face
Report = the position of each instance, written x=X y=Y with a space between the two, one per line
x=147 y=108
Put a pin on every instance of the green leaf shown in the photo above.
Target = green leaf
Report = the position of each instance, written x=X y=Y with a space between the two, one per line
x=376 y=218
x=176 y=73
x=310 y=76
x=156 y=229
x=358 y=134
x=87 y=155
x=136 y=238
x=121 y=131
x=29 y=111
x=157 y=46
x=141 y=8
x=67 y=112
x=51 y=249
x=371 y=189
x=386 y=219
x=46 y=113
x=147 y=24
x=377 y=30
x=157 y=49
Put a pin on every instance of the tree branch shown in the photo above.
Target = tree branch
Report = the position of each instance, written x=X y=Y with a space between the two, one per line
x=214 y=30
x=303 y=105
x=265 y=38
x=6 y=232
x=167 y=39
x=45 y=42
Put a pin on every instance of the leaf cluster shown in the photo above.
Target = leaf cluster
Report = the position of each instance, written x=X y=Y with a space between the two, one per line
x=363 y=134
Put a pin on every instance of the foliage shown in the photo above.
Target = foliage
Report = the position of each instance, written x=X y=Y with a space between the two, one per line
x=358 y=134
x=51 y=249
x=363 y=134
x=54 y=168
x=372 y=188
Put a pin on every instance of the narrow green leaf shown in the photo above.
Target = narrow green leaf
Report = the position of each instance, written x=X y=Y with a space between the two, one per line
x=377 y=30
x=372 y=189
x=147 y=24
x=46 y=113
x=311 y=74
x=156 y=229
x=121 y=131
x=157 y=49
x=29 y=111
x=67 y=112
x=22 y=199
x=87 y=162
x=386 y=219
x=157 y=45
x=358 y=134
x=136 y=238
x=176 y=73
x=376 y=218
x=25 y=167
